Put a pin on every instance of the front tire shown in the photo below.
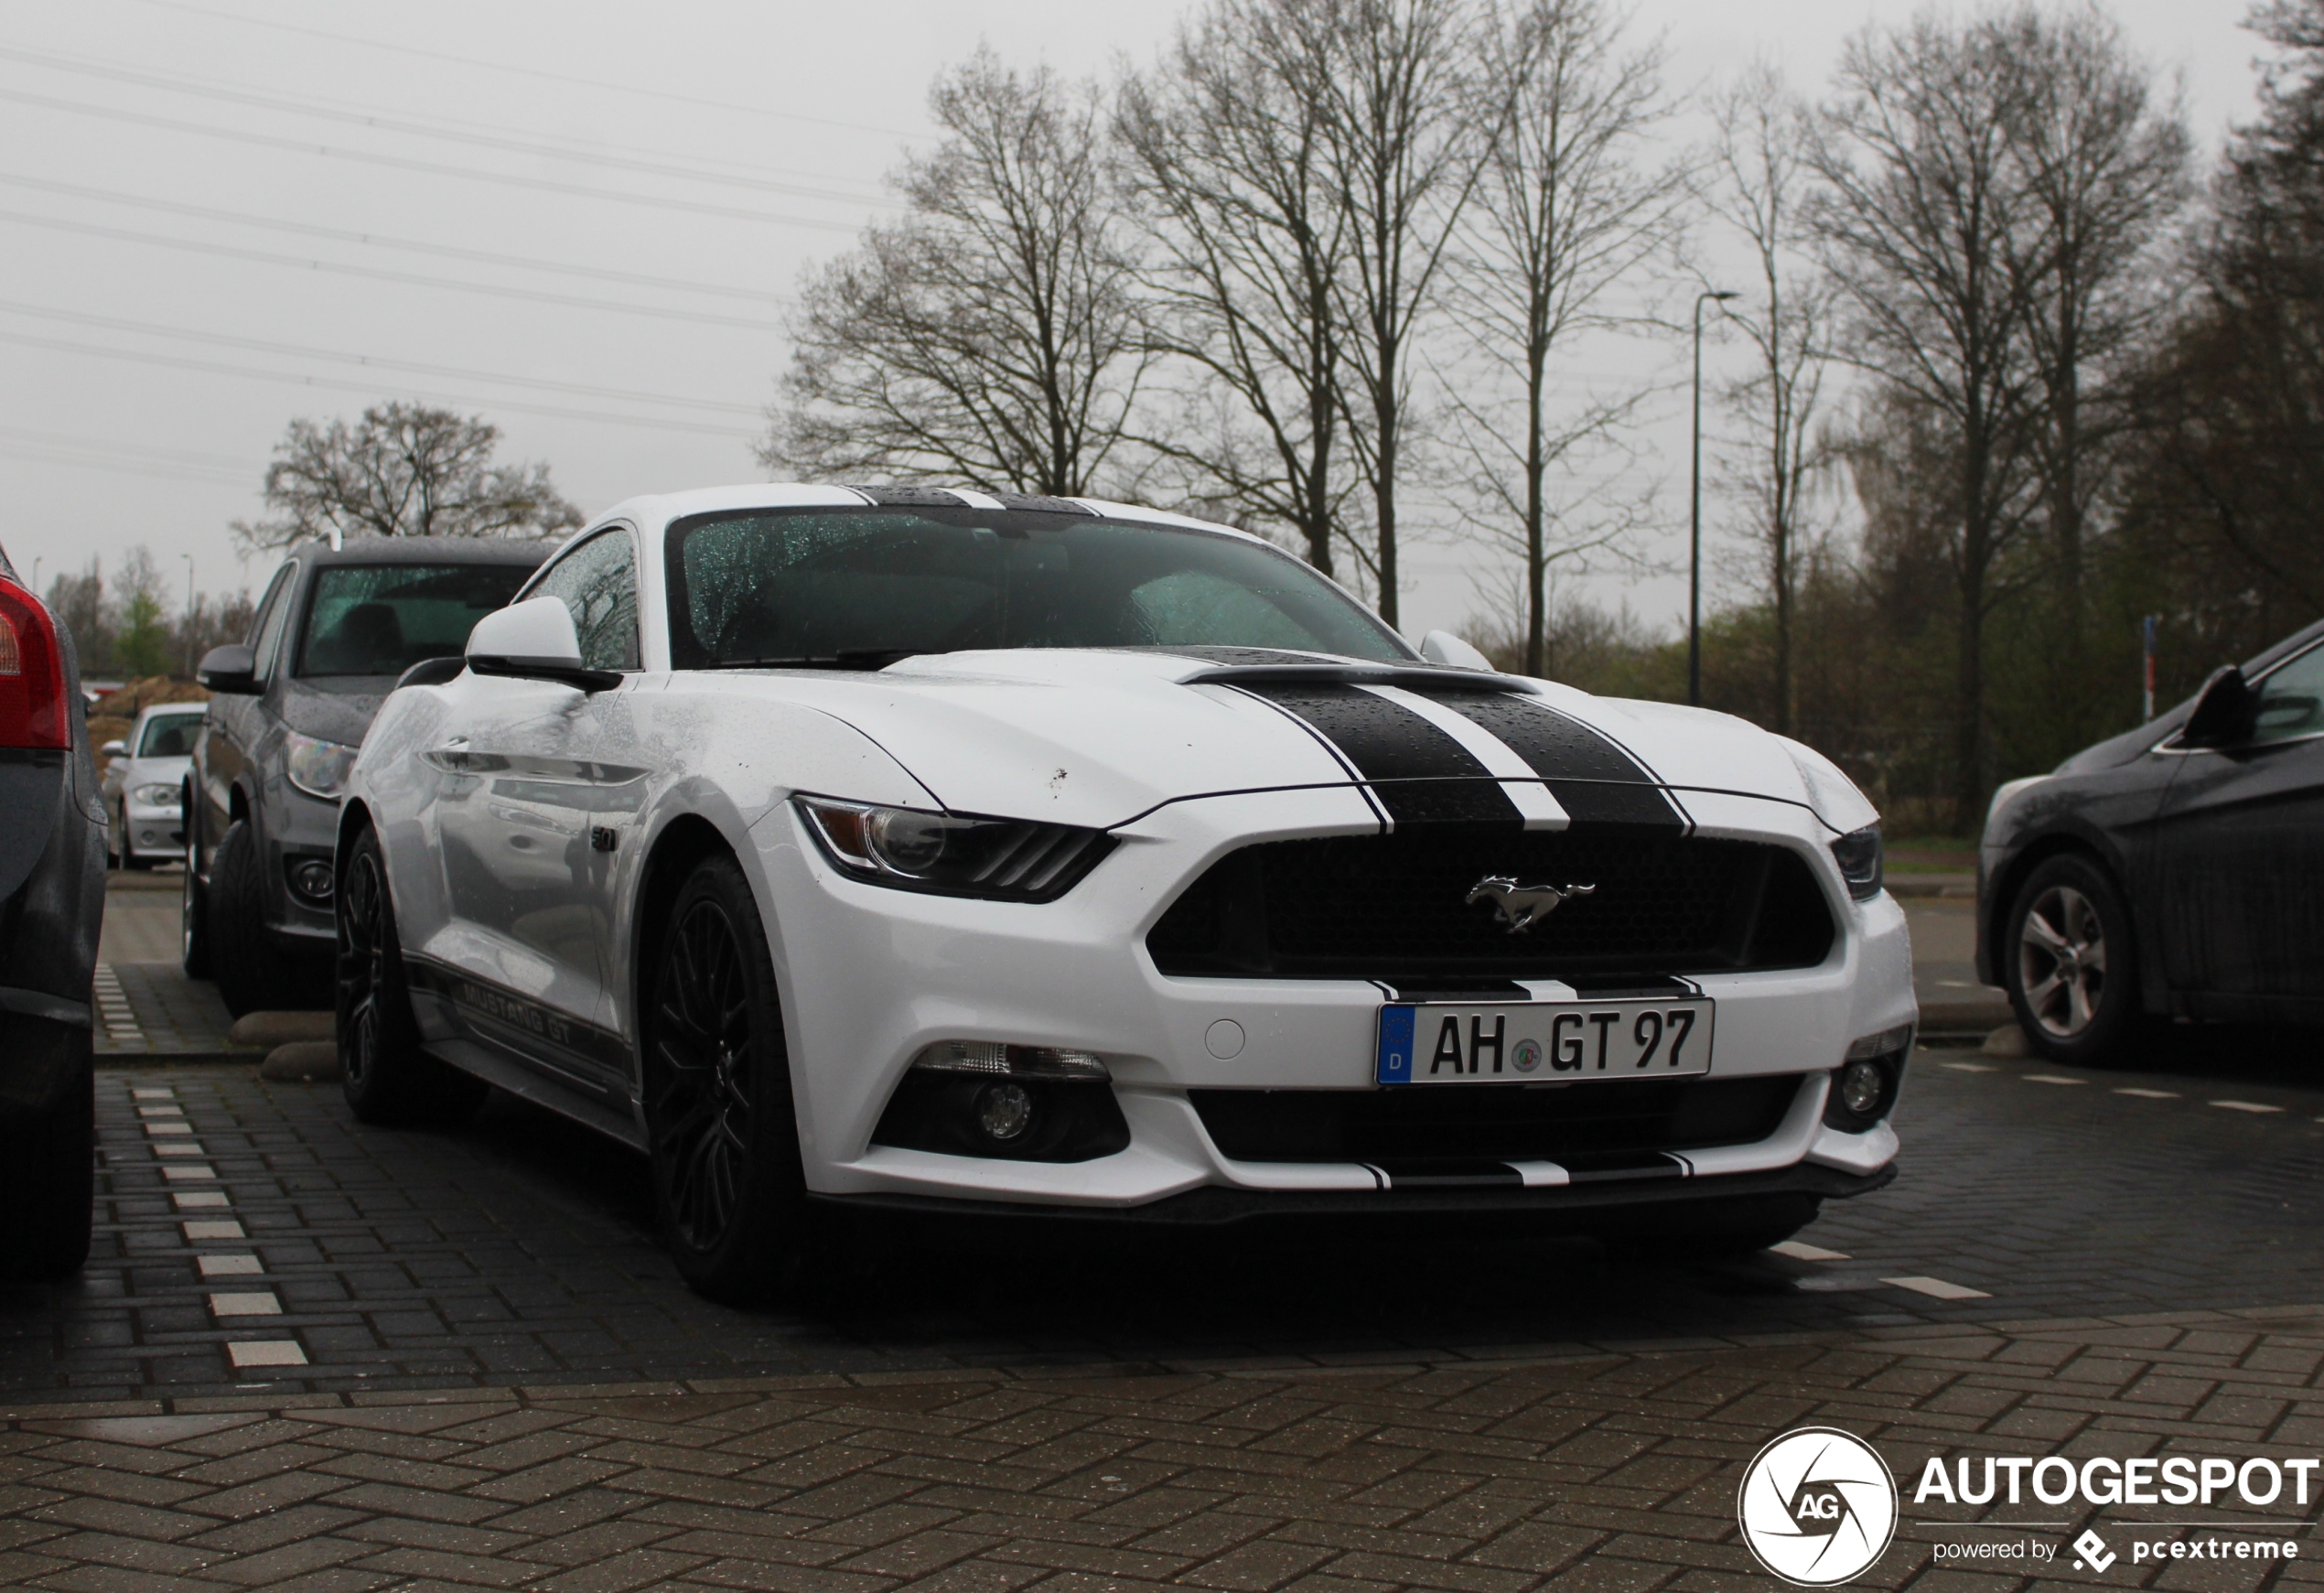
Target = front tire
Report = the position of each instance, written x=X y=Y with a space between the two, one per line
x=728 y=1185
x=387 y=1078
x=193 y=913
x=2071 y=965
x=250 y=972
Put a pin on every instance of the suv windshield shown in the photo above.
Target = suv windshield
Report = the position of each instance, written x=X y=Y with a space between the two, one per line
x=380 y=619
x=169 y=735
x=857 y=584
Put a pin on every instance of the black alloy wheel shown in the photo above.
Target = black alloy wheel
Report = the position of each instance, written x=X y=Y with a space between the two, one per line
x=2070 y=964
x=722 y=1133
x=387 y=1078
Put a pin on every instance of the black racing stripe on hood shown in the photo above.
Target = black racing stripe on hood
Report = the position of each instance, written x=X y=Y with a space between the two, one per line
x=1592 y=776
x=1420 y=775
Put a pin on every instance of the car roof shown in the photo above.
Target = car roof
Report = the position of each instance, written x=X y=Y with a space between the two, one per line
x=151 y=709
x=521 y=553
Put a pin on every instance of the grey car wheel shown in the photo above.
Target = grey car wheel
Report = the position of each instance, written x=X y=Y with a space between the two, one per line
x=2061 y=961
x=2070 y=964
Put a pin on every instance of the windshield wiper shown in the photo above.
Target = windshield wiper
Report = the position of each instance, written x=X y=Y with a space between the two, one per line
x=846 y=658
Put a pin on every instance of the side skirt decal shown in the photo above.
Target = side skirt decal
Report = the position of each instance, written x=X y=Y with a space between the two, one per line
x=578 y=1054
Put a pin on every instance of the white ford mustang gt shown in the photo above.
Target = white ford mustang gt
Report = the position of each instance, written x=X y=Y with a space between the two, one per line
x=912 y=848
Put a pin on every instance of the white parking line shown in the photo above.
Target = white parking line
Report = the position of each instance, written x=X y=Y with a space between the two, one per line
x=194 y=1200
x=189 y=1175
x=2247 y=1106
x=2052 y=1078
x=230 y=1265
x=1799 y=1251
x=179 y=1148
x=214 y=1227
x=2148 y=1094
x=1970 y=1067
x=265 y=1353
x=1936 y=1288
x=164 y=1094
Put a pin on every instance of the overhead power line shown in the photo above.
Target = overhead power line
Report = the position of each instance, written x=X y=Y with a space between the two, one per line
x=187 y=456
x=180 y=362
x=420 y=129
x=375 y=241
x=527 y=71
x=381 y=274
x=118 y=467
x=433 y=168
x=370 y=362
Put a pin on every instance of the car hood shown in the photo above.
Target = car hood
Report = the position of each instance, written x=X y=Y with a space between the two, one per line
x=334 y=715
x=138 y=771
x=1099 y=737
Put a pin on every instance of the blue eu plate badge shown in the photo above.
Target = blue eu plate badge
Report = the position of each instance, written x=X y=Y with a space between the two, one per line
x=1396 y=1046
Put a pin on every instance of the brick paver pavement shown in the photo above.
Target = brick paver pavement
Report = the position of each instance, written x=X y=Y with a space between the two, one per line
x=1600 y=1474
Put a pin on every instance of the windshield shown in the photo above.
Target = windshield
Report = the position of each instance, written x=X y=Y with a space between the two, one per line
x=169 y=735
x=380 y=619
x=821 y=583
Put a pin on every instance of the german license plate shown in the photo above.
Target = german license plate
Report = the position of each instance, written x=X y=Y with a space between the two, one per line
x=1513 y=1042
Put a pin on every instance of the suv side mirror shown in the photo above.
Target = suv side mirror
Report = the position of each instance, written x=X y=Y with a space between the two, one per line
x=2224 y=714
x=535 y=640
x=231 y=671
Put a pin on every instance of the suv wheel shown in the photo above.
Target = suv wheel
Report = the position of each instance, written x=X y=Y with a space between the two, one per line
x=48 y=1176
x=388 y=1079
x=250 y=970
x=721 y=1126
x=193 y=914
x=2070 y=964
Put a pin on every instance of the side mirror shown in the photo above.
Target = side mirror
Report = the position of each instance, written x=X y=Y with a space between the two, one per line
x=231 y=671
x=535 y=640
x=114 y=749
x=2224 y=714
x=1444 y=647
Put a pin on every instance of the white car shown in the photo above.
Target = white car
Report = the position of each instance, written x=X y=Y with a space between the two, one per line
x=912 y=848
x=144 y=785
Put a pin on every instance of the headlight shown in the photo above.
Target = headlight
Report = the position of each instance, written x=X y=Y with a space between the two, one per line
x=1859 y=855
x=317 y=767
x=1010 y=859
x=155 y=796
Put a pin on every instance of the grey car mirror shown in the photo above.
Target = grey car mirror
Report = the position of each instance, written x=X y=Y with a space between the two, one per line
x=114 y=749
x=535 y=640
x=2225 y=712
x=230 y=671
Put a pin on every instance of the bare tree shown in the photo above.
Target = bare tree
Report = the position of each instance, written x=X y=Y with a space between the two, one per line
x=1403 y=152
x=1563 y=214
x=404 y=469
x=1759 y=188
x=1224 y=160
x=2105 y=171
x=1919 y=200
x=992 y=335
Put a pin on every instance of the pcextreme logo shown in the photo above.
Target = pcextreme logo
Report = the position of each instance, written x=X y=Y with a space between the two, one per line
x=1818 y=1506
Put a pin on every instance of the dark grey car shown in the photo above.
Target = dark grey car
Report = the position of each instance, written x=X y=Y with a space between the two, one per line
x=52 y=901
x=334 y=630
x=2176 y=870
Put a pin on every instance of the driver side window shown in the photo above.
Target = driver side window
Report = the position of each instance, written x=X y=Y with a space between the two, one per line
x=2291 y=699
x=598 y=584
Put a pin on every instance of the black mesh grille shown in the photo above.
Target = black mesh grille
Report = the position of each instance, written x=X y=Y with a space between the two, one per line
x=1574 y=1125
x=1394 y=907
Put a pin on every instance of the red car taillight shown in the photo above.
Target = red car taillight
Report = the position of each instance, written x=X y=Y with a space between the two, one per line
x=32 y=674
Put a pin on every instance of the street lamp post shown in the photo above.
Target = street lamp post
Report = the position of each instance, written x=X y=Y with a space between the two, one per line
x=1695 y=519
x=190 y=614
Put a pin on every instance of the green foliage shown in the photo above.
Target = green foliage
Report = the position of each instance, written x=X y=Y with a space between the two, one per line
x=141 y=646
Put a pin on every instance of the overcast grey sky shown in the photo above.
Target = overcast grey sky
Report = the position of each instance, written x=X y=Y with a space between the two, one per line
x=579 y=219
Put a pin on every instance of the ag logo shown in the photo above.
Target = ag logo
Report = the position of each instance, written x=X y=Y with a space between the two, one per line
x=1818 y=1507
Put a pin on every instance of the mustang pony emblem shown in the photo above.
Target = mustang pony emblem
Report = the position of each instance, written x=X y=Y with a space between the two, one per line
x=1521 y=906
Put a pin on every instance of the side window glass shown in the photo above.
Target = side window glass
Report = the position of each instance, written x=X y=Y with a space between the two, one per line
x=2291 y=699
x=272 y=620
x=598 y=582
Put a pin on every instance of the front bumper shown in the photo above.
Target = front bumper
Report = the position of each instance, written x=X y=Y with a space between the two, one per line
x=155 y=832
x=870 y=975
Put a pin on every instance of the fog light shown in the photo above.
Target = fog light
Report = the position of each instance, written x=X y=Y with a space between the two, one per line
x=1861 y=1085
x=311 y=877
x=1004 y=1110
